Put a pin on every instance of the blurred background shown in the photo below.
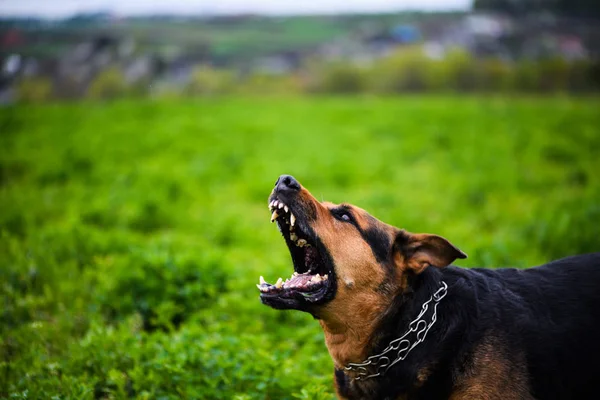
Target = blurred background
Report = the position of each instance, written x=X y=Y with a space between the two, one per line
x=69 y=50
x=139 y=143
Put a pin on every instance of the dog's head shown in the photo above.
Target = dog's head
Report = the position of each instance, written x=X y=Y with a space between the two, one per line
x=344 y=259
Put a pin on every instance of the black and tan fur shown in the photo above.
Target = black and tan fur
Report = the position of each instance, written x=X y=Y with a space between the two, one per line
x=501 y=334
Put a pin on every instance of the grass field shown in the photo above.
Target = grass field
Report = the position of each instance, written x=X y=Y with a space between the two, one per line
x=132 y=233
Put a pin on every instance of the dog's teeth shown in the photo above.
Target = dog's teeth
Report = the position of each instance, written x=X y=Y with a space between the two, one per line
x=271 y=204
x=279 y=283
x=286 y=208
x=295 y=274
x=261 y=280
x=281 y=205
x=325 y=277
x=274 y=216
x=293 y=237
x=292 y=219
x=301 y=243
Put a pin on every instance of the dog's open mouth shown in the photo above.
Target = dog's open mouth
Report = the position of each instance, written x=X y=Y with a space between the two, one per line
x=311 y=281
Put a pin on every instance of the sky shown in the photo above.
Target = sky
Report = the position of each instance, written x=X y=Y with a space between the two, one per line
x=62 y=8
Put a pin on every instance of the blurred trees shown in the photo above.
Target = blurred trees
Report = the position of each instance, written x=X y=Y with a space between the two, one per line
x=410 y=70
x=109 y=83
x=406 y=70
x=206 y=80
x=34 y=90
x=575 y=8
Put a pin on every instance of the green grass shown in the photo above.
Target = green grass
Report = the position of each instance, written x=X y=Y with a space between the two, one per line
x=132 y=233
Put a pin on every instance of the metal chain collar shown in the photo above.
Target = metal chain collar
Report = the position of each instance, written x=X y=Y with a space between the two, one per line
x=379 y=364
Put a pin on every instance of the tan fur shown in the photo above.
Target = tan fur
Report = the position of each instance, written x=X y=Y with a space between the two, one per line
x=349 y=320
x=422 y=376
x=493 y=375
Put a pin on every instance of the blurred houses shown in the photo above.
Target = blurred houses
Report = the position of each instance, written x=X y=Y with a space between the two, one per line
x=72 y=58
x=503 y=37
x=278 y=63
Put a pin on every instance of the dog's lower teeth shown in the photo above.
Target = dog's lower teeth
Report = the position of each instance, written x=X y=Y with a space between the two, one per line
x=294 y=237
x=292 y=219
x=301 y=243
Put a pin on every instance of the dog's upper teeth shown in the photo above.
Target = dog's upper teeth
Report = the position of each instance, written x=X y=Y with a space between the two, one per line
x=263 y=286
x=286 y=208
x=271 y=204
x=281 y=205
x=274 y=216
x=292 y=219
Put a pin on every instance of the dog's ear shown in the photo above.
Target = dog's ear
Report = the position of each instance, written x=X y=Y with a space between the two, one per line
x=416 y=252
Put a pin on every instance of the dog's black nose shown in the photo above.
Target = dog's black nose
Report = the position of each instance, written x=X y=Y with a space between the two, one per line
x=287 y=183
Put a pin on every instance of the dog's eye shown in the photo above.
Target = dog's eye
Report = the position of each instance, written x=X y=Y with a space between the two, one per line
x=342 y=215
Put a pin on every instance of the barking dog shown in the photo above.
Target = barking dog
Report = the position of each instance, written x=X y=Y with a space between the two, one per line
x=400 y=323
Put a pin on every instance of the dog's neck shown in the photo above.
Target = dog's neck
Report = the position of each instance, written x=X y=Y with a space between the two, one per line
x=356 y=331
x=348 y=330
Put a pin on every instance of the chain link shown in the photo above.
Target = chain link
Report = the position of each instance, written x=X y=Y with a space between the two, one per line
x=379 y=364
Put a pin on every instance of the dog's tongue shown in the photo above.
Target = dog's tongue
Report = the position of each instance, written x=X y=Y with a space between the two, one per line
x=298 y=281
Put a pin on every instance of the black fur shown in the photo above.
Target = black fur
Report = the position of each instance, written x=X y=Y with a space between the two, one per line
x=549 y=314
x=379 y=242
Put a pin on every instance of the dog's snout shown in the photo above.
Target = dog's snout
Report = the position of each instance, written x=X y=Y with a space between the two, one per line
x=287 y=183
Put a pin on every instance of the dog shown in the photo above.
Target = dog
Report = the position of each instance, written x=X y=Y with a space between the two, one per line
x=401 y=323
